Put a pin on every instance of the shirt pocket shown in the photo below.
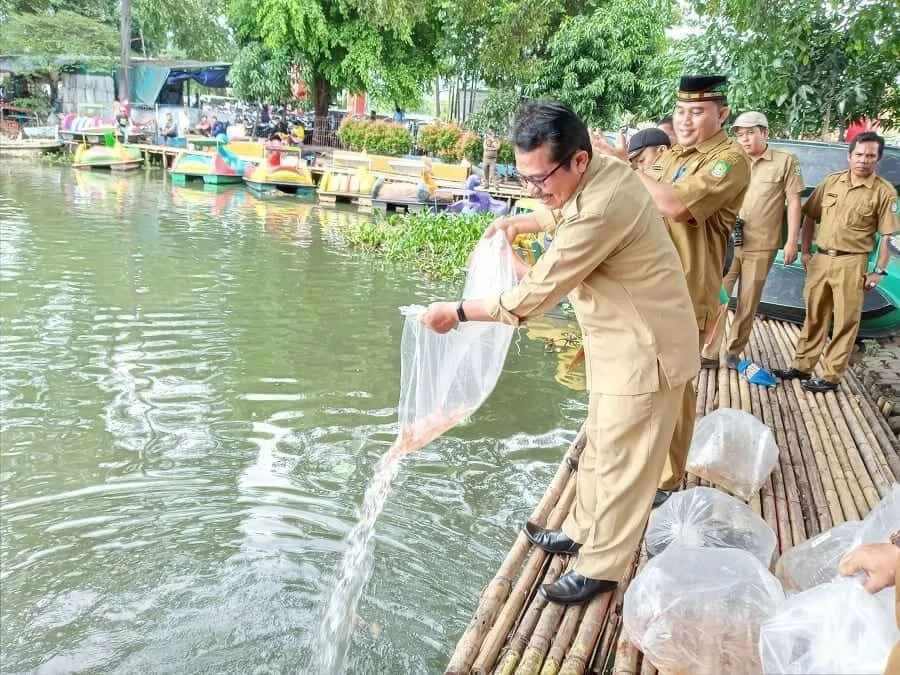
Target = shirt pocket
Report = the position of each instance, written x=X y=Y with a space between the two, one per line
x=862 y=216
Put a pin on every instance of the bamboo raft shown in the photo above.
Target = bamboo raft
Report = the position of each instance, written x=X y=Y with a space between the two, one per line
x=838 y=458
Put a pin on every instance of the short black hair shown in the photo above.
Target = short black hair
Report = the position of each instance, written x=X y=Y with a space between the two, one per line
x=868 y=137
x=554 y=123
x=664 y=120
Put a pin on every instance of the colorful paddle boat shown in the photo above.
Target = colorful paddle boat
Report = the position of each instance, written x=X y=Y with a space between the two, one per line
x=111 y=155
x=212 y=168
x=273 y=177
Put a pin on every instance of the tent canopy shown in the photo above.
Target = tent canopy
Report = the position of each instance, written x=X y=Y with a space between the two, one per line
x=162 y=80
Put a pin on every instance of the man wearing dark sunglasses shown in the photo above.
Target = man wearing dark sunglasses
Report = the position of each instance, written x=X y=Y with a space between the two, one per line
x=613 y=258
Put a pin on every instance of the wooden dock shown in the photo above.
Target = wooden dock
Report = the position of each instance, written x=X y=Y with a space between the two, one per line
x=837 y=459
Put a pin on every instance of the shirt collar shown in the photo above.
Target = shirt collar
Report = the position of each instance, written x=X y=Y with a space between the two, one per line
x=868 y=182
x=766 y=155
x=570 y=208
x=719 y=137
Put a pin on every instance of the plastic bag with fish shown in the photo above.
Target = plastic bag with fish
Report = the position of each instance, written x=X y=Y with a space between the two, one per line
x=444 y=378
x=815 y=561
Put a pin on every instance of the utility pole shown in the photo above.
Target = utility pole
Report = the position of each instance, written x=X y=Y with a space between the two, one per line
x=124 y=47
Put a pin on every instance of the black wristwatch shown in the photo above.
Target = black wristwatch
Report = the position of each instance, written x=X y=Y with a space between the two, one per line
x=460 y=314
x=880 y=271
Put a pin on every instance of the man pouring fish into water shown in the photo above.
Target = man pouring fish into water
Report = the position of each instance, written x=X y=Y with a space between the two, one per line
x=612 y=256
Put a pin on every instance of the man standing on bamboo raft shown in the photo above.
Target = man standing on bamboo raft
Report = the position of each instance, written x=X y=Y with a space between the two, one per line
x=698 y=185
x=775 y=177
x=612 y=256
x=850 y=207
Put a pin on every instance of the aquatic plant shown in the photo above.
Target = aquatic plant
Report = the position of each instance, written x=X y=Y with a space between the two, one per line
x=438 y=243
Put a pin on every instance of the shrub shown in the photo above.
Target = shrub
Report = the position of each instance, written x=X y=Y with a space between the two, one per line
x=470 y=147
x=380 y=137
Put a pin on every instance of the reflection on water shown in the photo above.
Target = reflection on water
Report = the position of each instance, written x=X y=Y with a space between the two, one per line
x=195 y=385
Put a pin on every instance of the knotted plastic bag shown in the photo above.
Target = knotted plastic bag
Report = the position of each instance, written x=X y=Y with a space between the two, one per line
x=698 y=611
x=815 y=561
x=444 y=378
x=833 y=628
x=734 y=450
x=706 y=517
x=882 y=521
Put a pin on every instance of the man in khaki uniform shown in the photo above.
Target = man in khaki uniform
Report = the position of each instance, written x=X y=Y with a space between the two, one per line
x=489 y=157
x=850 y=207
x=698 y=185
x=612 y=256
x=774 y=177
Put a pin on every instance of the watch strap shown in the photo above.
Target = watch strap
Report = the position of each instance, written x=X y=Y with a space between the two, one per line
x=460 y=314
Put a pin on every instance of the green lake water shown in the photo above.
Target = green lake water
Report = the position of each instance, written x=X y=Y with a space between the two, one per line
x=195 y=387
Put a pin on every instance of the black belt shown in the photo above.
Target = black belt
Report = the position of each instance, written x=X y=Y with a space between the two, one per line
x=833 y=252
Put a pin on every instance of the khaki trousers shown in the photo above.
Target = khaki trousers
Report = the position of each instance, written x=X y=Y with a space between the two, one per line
x=834 y=289
x=489 y=168
x=750 y=269
x=682 y=435
x=627 y=441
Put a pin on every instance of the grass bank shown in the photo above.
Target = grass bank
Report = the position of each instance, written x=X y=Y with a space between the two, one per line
x=437 y=243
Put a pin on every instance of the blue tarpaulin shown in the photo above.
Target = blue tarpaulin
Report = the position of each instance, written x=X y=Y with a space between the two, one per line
x=217 y=78
x=163 y=81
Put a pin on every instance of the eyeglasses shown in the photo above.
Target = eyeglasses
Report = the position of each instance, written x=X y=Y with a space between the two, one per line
x=540 y=182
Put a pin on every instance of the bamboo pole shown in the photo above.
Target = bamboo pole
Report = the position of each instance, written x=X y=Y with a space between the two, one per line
x=583 y=645
x=524 y=587
x=863 y=449
x=563 y=639
x=530 y=618
x=889 y=461
x=627 y=654
x=860 y=506
x=851 y=454
x=605 y=647
x=539 y=644
x=497 y=591
x=881 y=428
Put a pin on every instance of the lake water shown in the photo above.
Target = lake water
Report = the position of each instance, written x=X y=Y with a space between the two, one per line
x=195 y=388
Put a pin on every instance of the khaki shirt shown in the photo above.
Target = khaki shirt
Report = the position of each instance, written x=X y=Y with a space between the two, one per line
x=850 y=215
x=774 y=176
x=710 y=179
x=612 y=256
x=491 y=146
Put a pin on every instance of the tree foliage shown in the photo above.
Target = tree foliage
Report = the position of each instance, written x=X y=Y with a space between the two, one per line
x=607 y=64
x=810 y=65
x=62 y=34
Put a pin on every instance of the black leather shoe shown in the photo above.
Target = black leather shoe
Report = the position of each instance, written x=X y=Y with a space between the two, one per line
x=790 y=374
x=732 y=361
x=660 y=497
x=573 y=589
x=572 y=463
x=708 y=364
x=819 y=386
x=552 y=541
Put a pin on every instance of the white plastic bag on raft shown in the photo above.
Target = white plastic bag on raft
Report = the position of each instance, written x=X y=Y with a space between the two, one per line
x=706 y=517
x=734 y=450
x=698 y=611
x=815 y=561
x=833 y=628
x=444 y=378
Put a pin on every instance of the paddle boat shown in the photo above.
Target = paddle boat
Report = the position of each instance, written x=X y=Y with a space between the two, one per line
x=273 y=177
x=782 y=296
x=212 y=168
x=111 y=155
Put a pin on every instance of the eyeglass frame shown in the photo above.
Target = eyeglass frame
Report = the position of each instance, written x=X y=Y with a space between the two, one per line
x=539 y=183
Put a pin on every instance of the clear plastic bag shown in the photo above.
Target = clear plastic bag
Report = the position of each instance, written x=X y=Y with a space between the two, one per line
x=698 y=610
x=702 y=517
x=833 y=628
x=815 y=561
x=444 y=378
x=882 y=521
x=734 y=450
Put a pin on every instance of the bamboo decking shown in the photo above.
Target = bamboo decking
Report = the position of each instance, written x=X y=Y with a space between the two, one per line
x=837 y=459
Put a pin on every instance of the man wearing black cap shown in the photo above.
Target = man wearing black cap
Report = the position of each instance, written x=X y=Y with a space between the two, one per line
x=698 y=186
x=646 y=146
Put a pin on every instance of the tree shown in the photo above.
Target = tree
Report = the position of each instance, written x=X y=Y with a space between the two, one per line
x=809 y=65
x=607 y=64
x=383 y=47
x=45 y=36
x=259 y=73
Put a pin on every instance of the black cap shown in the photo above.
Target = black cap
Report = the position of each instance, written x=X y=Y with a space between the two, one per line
x=647 y=138
x=703 y=88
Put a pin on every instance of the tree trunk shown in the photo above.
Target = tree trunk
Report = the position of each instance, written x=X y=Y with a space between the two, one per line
x=321 y=101
x=125 y=48
x=474 y=92
x=437 y=97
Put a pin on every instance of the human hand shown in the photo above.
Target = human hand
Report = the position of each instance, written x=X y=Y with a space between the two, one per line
x=790 y=254
x=878 y=561
x=804 y=260
x=872 y=280
x=602 y=146
x=506 y=225
x=440 y=317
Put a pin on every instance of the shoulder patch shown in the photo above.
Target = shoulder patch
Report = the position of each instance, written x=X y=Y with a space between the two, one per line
x=720 y=168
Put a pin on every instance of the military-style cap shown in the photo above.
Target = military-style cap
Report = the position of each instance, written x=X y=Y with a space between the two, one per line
x=702 y=88
x=750 y=119
x=647 y=138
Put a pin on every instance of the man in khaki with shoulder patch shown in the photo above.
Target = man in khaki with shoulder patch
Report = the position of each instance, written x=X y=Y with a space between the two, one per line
x=774 y=178
x=850 y=207
x=611 y=255
x=698 y=186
